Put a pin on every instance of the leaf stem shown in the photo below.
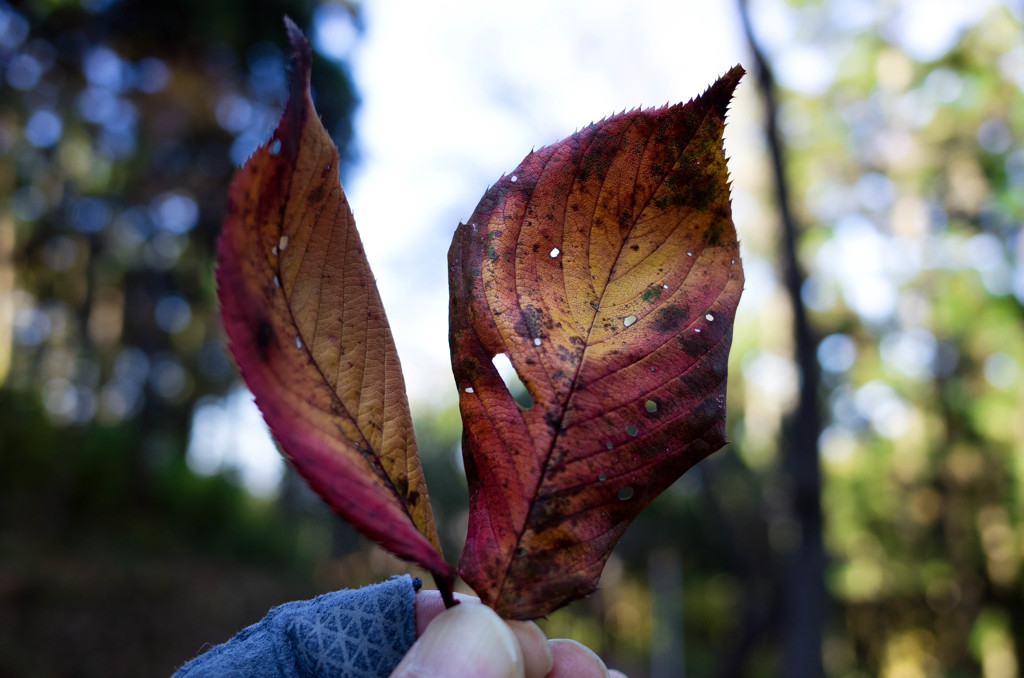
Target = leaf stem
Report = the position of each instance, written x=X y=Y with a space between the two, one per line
x=445 y=586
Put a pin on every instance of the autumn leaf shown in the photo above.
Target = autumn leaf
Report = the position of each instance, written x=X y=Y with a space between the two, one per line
x=607 y=268
x=308 y=332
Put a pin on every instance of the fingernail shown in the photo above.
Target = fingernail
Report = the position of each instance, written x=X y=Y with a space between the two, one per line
x=467 y=640
x=573 y=658
x=537 y=657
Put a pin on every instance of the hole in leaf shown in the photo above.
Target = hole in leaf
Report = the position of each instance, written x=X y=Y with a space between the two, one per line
x=610 y=445
x=536 y=341
x=631 y=430
x=709 y=317
x=282 y=244
x=298 y=342
x=651 y=406
x=277 y=281
x=602 y=477
x=512 y=381
x=554 y=252
x=275 y=147
x=626 y=493
x=513 y=178
x=629 y=320
x=469 y=389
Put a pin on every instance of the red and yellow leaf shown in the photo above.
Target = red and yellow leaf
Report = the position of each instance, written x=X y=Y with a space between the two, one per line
x=309 y=334
x=607 y=268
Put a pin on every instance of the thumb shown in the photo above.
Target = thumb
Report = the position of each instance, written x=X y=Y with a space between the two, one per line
x=467 y=640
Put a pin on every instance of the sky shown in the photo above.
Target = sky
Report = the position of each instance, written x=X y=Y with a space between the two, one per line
x=453 y=94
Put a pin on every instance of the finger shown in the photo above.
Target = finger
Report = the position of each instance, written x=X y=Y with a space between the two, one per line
x=532 y=641
x=575 y=660
x=467 y=640
x=429 y=605
x=537 y=658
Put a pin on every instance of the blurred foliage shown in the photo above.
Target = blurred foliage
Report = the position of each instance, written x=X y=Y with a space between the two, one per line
x=120 y=126
x=903 y=136
x=910 y=166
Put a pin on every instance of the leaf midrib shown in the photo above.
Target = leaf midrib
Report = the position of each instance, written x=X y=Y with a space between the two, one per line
x=372 y=456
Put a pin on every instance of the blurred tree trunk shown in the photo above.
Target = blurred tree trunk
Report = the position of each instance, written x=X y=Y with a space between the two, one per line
x=6 y=294
x=803 y=590
x=750 y=561
x=668 y=642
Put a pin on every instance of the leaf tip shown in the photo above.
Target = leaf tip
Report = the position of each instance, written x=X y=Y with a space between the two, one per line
x=720 y=93
x=301 y=56
x=300 y=66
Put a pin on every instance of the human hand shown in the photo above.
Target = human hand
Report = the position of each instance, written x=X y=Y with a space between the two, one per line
x=471 y=640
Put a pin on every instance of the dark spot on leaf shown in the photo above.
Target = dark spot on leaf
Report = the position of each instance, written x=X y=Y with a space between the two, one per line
x=626 y=221
x=521 y=328
x=316 y=195
x=471 y=368
x=651 y=293
x=263 y=336
x=567 y=356
x=535 y=321
x=723 y=215
x=691 y=343
x=669 y=318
